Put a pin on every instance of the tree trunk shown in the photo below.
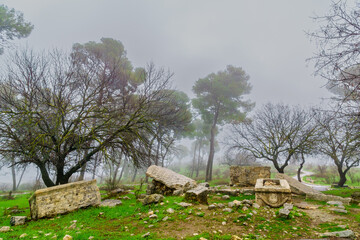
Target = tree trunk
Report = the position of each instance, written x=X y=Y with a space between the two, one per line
x=13 y=173
x=45 y=176
x=194 y=161
x=211 y=154
x=134 y=176
x=21 y=176
x=122 y=169
x=342 y=179
x=82 y=172
x=300 y=167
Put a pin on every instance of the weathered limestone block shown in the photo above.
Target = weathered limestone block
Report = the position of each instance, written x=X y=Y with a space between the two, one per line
x=17 y=220
x=64 y=198
x=246 y=176
x=198 y=194
x=296 y=186
x=324 y=197
x=165 y=181
x=272 y=192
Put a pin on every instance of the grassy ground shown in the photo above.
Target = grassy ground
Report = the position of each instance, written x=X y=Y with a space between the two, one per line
x=131 y=221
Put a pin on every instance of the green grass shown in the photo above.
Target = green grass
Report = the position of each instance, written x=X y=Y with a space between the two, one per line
x=342 y=192
x=131 y=220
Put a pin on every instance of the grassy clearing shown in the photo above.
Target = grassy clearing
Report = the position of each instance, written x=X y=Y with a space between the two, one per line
x=131 y=221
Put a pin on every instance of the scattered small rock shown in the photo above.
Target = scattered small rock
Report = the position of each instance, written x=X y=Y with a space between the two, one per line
x=67 y=237
x=255 y=205
x=225 y=197
x=227 y=210
x=284 y=213
x=334 y=203
x=244 y=208
x=231 y=204
x=341 y=234
x=220 y=205
x=223 y=223
x=170 y=210
x=212 y=206
x=234 y=237
x=184 y=204
x=146 y=235
x=110 y=203
x=72 y=226
x=23 y=235
x=288 y=206
x=126 y=198
x=338 y=210
x=17 y=220
x=5 y=229
x=165 y=218
x=91 y=237
x=153 y=198
x=153 y=216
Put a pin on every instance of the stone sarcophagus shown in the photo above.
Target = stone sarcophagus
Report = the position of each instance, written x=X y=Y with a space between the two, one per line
x=246 y=176
x=272 y=192
x=64 y=198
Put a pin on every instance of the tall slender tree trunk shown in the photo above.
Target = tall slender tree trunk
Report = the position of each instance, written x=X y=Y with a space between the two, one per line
x=13 y=173
x=21 y=176
x=194 y=161
x=199 y=158
x=212 y=150
x=122 y=169
x=82 y=172
x=134 y=176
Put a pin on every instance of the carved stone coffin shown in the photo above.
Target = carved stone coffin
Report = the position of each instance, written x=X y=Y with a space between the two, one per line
x=272 y=192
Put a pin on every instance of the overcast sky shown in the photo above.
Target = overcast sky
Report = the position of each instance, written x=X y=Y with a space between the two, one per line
x=194 y=38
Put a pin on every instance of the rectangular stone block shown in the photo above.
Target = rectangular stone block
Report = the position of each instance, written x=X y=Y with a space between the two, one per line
x=60 y=199
x=246 y=176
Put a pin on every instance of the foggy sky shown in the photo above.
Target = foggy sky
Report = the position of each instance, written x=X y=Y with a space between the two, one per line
x=194 y=38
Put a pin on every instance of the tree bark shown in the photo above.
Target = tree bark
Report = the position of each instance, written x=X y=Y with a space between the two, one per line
x=13 y=173
x=300 y=167
x=342 y=179
x=134 y=176
x=45 y=176
x=211 y=154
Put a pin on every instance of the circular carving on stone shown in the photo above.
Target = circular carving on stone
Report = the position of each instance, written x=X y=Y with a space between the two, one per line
x=273 y=198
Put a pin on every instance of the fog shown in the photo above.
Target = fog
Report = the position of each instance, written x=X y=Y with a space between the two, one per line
x=194 y=38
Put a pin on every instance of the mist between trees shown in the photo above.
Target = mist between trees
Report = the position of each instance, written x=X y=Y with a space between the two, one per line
x=91 y=114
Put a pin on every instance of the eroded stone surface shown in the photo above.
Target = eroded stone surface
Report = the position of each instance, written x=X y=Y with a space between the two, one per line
x=64 y=198
x=17 y=220
x=166 y=181
x=110 y=203
x=342 y=234
x=198 y=194
x=153 y=198
x=272 y=192
x=326 y=198
x=245 y=176
x=296 y=186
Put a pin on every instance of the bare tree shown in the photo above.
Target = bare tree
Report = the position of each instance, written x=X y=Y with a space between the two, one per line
x=337 y=58
x=339 y=141
x=275 y=133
